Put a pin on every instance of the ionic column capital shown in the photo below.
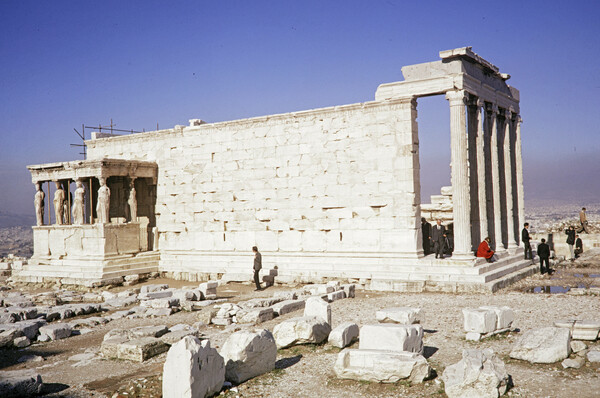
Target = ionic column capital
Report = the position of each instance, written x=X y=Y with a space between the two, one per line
x=457 y=98
x=508 y=114
x=491 y=107
x=480 y=102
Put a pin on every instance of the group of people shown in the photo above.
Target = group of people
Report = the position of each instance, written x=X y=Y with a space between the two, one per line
x=437 y=239
x=574 y=242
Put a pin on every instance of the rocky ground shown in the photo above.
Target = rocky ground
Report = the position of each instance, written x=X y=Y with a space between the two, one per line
x=307 y=371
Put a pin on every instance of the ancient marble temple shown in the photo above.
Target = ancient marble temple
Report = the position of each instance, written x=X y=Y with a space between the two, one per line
x=323 y=193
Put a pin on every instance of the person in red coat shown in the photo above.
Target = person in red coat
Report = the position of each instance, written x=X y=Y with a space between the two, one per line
x=484 y=250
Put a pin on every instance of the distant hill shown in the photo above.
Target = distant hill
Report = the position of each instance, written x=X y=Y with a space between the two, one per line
x=16 y=220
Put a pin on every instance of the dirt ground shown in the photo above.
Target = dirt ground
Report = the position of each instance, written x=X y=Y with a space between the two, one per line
x=307 y=371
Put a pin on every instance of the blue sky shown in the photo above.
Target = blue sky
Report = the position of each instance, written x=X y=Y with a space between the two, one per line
x=64 y=63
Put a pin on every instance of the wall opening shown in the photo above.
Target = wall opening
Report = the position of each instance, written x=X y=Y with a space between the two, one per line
x=434 y=146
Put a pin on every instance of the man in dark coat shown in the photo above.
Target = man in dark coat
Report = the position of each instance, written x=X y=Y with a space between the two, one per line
x=257 y=266
x=543 y=251
x=525 y=238
x=570 y=232
x=578 y=246
x=438 y=237
x=426 y=230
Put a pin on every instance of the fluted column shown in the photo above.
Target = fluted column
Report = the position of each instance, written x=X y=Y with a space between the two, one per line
x=508 y=176
x=482 y=194
x=519 y=163
x=460 y=175
x=493 y=123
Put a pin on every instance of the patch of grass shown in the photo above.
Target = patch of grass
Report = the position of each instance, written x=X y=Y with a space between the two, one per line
x=277 y=372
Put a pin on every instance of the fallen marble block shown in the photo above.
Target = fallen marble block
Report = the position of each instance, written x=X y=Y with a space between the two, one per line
x=153 y=288
x=109 y=347
x=381 y=366
x=164 y=302
x=56 y=331
x=344 y=335
x=140 y=349
x=175 y=336
x=480 y=373
x=260 y=302
x=544 y=345
x=479 y=320
x=20 y=383
x=248 y=354
x=287 y=306
x=401 y=315
x=504 y=316
x=255 y=316
x=155 y=295
x=29 y=328
x=394 y=337
x=319 y=308
x=301 y=330
x=8 y=336
x=120 y=302
x=154 y=312
x=349 y=289
x=337 y=295
x=585 y=330
x=286 y=295
x=192 y=369
x=148 y=331
x=318 y=289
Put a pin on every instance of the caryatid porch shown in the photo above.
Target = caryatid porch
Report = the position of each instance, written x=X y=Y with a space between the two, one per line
x=97 y=230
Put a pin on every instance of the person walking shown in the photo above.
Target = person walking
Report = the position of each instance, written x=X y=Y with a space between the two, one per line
x=570 y=232
x=578 y=246
x=257 y=266
x=438 y=236
x=525 y=238
x=543 y=251
x=584 y=222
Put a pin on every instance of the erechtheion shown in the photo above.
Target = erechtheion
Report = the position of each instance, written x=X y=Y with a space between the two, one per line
x=323 y=193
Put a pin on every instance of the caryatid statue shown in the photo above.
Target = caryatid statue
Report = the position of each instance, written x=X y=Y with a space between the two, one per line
x=39 y=204
x=59 y=203
x=132 y=201
x=103 y=205
x=78 y=203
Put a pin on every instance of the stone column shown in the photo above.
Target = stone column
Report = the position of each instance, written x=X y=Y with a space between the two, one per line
x=519 y=163
x=132 y=201
x=508 y=178
x=493 y=123
x=480 y=148
x=460 y=175
x=59 y=203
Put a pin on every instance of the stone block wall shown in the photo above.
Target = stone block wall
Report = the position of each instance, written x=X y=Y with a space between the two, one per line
x=343 y=179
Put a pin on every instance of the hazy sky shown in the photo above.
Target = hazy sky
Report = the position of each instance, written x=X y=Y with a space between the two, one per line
x=64 y=63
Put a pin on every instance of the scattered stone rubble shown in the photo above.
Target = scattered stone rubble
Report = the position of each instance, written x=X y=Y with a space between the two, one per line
x=20 y=383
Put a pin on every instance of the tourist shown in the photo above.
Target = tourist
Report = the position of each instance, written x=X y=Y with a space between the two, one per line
x=426 y=231
x=570 y=232
x=485 y=251
x=578 y=246
x=525 y=238
x=543 y=251
x=257 y=266
x=584 y=222
x=438 y=236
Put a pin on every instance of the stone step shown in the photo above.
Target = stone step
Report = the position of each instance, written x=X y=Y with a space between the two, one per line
x=511 y=278
x=507 y=269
